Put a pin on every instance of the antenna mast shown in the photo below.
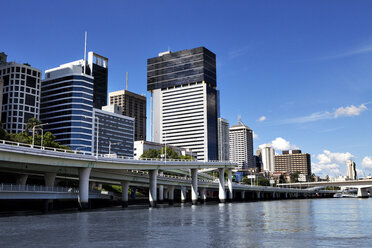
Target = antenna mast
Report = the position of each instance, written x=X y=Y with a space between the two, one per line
x=126 y=85
x=85 y=53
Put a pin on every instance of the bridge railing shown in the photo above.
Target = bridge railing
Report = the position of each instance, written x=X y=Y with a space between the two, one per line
x=102 y=156
x=36 y=188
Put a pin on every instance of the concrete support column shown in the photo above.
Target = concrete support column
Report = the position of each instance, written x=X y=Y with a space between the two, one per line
x=362 y=193
x=286 y=196
x=153 y=188
x=161 y=194
x=203 y=194
x=194 y=186
x=170 y=195
x=49 y=178
x=242 y=195
x=22 y=179
x=84 y=174
x=229 y=184
x=183 y=194
x=221 y=188
x=166 y=194
x=258 y=195
x=124 y=193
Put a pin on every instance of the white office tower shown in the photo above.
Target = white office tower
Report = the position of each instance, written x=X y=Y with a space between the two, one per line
x=223 y=139
x=267 y=155
x=241 y=146
x=351 y=170
x=184 y=100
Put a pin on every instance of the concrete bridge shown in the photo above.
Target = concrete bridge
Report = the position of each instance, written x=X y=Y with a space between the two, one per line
x=24 y=160
x=361 y=185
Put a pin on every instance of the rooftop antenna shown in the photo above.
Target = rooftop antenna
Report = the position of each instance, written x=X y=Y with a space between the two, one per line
x=85 y=53
x=168 y=48
x=240 y=120
x=126 y=85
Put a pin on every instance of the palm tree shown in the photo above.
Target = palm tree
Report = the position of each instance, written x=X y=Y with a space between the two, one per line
x=31 y=123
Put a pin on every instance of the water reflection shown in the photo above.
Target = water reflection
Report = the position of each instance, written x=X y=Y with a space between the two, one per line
x=287 y=223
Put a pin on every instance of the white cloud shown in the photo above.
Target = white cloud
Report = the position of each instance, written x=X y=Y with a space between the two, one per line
x=349 y=111
x=367 y=162
x=262 y=118
x=282 y=144
x=331 y=163
x=328 y=157
x=255 y=136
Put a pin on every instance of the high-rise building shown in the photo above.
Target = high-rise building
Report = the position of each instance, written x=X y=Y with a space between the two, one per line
x=67 y=105
x=241 y=146
x=293 y=161
x=21 y=94
x=133 y=105
x=223 y=139
x=351 y=170
x=184 y=100
x=97 y=67
x=267 y=156
x=115 y=131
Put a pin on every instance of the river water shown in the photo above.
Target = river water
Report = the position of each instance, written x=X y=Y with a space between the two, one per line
x=284 y=223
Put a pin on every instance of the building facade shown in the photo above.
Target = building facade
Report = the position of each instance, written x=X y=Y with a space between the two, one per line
x=351 y=170
x=223 y=139
x=115 y=131
x=241 y=146
x=293 y=161
x=267 y=157
x=184 y=100
x=67 y=105
x=21 y=94
x=133 y=105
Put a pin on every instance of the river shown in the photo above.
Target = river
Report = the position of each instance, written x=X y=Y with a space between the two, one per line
x=283 y=223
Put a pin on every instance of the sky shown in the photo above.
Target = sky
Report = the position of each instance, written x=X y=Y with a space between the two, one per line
x=299 y=73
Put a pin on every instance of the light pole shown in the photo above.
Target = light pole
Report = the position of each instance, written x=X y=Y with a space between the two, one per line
x=33 y=133
x=97 y=132
x=110 y=143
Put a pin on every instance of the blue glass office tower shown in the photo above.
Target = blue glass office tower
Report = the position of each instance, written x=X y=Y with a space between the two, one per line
x=67 y=105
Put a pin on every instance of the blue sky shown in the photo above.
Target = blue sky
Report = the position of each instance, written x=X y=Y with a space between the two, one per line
x=298 y=72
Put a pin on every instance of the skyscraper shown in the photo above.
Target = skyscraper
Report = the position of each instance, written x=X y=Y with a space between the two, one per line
x=293 y=161
x=267 y=155
x=21 y=94
x=223 y=139
x=97 y=67
x=241 y=146
x=67 y=105
x=133 y=105
x=184 y=100
x=351 y=170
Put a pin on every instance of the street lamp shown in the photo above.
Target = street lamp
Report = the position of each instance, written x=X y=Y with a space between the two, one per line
x=110 y=143
x=97 y=131
x=33 y=134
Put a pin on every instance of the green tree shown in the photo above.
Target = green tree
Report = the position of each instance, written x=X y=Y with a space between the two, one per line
x=262 y=181
x=186 y=157
x=4 y=135
x=294 y=176
x=21 y=138
x=151 y=153
x=49 y=141
x=171 y=154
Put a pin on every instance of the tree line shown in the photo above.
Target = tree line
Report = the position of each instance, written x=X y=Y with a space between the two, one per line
x=25 y=137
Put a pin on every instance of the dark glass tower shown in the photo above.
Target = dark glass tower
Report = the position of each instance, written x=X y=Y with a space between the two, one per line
x=98 y=68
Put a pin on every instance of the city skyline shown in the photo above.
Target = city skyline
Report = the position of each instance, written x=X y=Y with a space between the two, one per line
x=304 y=66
